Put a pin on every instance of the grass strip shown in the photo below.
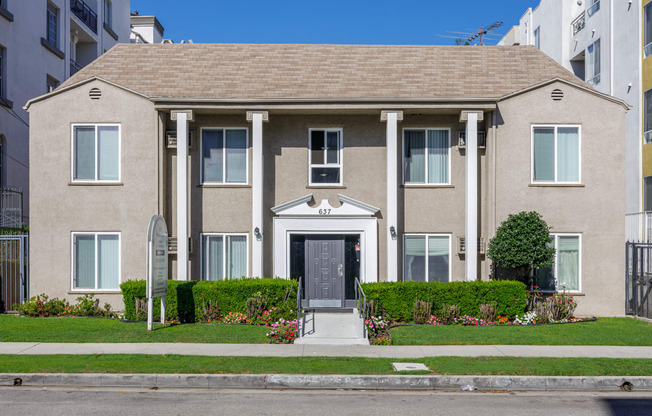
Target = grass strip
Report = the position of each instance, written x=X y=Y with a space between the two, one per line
x=180 y=364
x=604 y=331
x=21 y=329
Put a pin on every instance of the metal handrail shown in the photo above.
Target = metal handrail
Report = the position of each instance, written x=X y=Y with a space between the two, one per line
x=362 y=309
x=299 y=308
x=579 y=23
x=84 y=13
x=74 y=67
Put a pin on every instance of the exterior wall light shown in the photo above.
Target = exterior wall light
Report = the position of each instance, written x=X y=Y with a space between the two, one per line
x=392 y=232
x=257 y=233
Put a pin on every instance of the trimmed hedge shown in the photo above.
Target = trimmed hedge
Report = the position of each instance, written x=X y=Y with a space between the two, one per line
x=185 y=299
x=397 y=299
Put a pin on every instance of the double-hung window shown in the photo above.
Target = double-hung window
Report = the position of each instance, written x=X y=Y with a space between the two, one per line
x=96 y=153
x=108 y=12
x=427 y=258
x=96 y=261
x=325 y=156
x=224 y=256
x=566 y=270
x=647 y=116
x=52 y=32
x=537 y=37
x=593 y=63
x=593 y=7
x=426 y=156
x=224 y=156
x=556 y=154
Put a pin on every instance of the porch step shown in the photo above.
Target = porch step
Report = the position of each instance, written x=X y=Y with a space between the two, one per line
x=328 y=310
x=329 y=328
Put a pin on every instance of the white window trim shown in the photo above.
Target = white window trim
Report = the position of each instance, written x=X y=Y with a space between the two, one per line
x=340 y=153
x=555 y=263
x=426 y=183
x=72 y=153
x=579 y=152
x=223 y=235
x=426 y=235
x=201 y=153
x=72 y=264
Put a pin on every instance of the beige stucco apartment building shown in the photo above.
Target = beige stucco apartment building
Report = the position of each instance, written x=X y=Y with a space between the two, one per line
x=329 y=162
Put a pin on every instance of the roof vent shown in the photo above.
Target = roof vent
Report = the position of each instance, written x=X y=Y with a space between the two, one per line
x=557 y=95
x=95 y=94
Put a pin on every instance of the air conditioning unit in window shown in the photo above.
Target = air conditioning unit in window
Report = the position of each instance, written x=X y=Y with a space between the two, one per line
x=461 y=139
x=461 y=245
x=173 y=245
x=171 y=139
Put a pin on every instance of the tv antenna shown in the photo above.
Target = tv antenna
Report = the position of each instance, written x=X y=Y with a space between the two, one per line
x=479 y=35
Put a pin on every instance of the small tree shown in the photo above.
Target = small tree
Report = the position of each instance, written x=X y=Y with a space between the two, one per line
x=522 y=242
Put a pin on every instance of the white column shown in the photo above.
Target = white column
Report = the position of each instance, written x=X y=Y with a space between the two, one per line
x=182 y=118
x=471 y=193
x=256 y=118
x=391 y=217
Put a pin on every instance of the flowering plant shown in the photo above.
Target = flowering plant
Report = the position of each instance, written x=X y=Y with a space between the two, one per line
x=466 y=320
x=381 y=341
x=375 y=325
x=502 y=319
x=434 y=320
x=283 y=332
x=528 y=318
x=234 y=318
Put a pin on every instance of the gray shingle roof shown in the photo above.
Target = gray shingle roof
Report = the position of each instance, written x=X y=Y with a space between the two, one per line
x=266 y=71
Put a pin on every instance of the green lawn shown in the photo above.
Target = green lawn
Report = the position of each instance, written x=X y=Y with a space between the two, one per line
x=604 y=331
x=177 y=364
x=20 y=329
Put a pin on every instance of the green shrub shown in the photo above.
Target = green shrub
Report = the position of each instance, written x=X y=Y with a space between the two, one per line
x=397 y=299
x=186 y=300
x=42 y=306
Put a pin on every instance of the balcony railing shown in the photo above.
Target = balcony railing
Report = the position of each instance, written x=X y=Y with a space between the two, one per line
x=579 y=23
x=74 y=67
x=638 y=227
x=595 y=80
x=593 y=9
x=84 y=13
x=11 y=207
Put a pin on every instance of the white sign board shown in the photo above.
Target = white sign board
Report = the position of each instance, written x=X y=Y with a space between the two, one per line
x=157 y=265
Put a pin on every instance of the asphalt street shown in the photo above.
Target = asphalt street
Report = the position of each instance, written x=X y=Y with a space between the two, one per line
x=92 y=401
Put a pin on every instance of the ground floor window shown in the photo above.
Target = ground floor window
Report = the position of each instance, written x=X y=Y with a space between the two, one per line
x=96 y=261
x=566 y=269
x=224 y=256
x=426 y=258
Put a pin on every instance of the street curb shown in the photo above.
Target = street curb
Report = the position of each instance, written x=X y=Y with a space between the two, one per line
x=348 y=382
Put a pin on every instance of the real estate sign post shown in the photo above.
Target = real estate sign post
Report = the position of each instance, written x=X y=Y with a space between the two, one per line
x=157 y=266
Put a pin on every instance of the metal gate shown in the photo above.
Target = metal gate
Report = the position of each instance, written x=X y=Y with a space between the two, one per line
x=14 y=280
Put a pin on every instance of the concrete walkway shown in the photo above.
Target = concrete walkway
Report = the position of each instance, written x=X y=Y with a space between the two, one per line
x=306 y=350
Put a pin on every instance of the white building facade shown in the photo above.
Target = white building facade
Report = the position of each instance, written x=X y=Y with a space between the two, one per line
x=599 y=41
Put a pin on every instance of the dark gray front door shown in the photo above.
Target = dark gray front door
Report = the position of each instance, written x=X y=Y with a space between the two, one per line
x=325 y=270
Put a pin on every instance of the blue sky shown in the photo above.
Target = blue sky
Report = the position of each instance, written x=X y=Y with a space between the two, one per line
x=334 y=21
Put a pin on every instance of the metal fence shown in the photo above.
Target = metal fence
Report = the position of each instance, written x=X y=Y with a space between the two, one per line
x=638 y=279
x=14 y=278
x=11 y=208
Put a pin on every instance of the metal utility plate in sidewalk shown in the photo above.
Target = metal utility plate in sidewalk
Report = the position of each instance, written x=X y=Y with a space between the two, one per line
x=410 y=367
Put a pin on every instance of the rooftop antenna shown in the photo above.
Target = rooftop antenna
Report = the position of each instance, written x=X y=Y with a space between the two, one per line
x=481 y=35
x=484 y=32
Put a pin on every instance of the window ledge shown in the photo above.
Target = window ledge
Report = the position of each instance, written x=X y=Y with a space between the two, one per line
x=217 y=185
x=95 y=184
x=325 y=187
x=52 y=48
x=6 y=102
x=416 y=186
x=6 y=14
x=110 y=31
x=94 y=292
x=556 y=185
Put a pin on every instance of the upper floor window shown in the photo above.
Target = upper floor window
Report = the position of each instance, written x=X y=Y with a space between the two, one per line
x=108 y=12
x=565 y=272
x=647 y=116
x=50 y=84
x=647 y=193
x=647 y=30
x=52 y=32
x=224 y=256
x=96 y=153
x=3 y=72
x=96 y=261
x=593 y=7
x=537 y=37
x=325 y=156
x=224 y=156
x=426 y=156
x=556 y=154
x=426 y=258
x=593 y=63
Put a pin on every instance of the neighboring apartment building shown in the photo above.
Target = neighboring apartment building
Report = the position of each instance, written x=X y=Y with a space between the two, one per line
x=329 y=162
x=42 y=43
x=599 y=41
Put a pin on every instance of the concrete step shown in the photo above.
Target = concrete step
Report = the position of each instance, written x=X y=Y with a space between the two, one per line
x=328 y=328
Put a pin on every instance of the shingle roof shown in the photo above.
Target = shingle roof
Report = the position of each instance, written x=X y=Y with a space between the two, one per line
x=266 y=71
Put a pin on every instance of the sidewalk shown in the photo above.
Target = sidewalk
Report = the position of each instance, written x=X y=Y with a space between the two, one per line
x=294 y=350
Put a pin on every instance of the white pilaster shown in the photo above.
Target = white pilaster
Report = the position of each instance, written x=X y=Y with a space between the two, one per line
x=182 y=118
x=392 y=118
x=256 y=118
x=471 y=193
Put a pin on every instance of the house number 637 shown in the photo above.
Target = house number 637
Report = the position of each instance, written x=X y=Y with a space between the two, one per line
x=324 y=211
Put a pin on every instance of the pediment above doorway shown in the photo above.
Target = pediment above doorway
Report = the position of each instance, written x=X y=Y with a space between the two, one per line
x=350 y=208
